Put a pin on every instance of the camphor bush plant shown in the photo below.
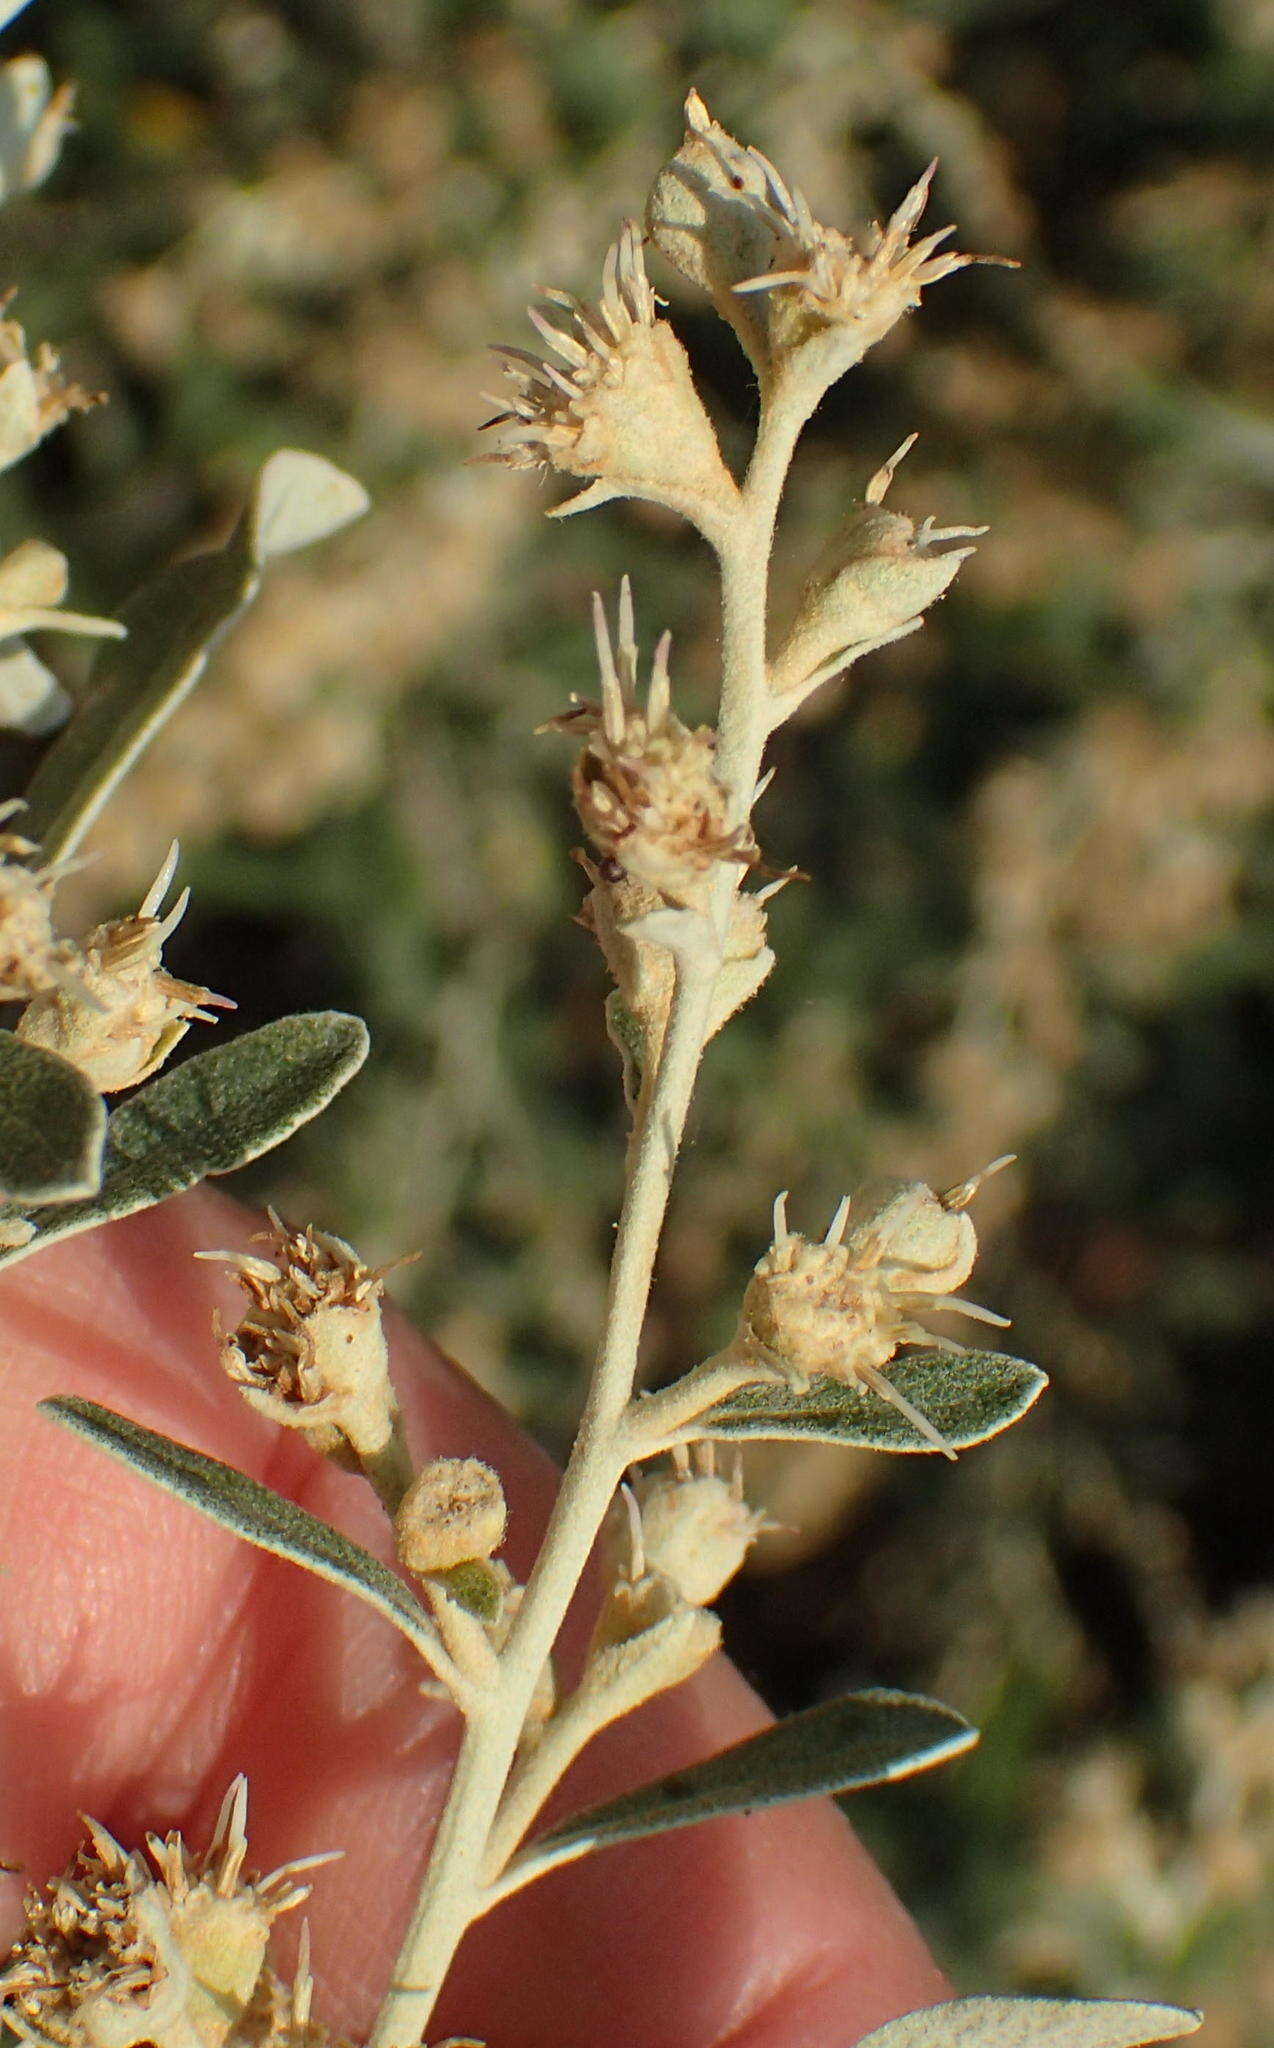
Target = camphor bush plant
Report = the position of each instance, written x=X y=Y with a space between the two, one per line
x=832 y=1341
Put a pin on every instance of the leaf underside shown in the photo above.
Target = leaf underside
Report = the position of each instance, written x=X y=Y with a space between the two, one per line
x=52 y=1126
x=254 y=1512
x=968 y=1396
x=1036 y=2023
x=210 y=1115
x=844 y=1745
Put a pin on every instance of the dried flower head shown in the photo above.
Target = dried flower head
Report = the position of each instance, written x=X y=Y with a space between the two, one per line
x=696 y=1528
x=311 y=1352
x=34 y=396
x=801 y=297
x=623 y=410
x=122 y=1950
x=876 y=579
x=644 y=785
x=844 y=1306
x=452 y=1512
x=121 y=1016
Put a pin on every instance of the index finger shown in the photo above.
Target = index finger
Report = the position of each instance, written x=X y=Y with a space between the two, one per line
x=146 y=1656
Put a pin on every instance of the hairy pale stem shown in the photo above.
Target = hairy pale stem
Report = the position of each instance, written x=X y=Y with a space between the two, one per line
x=454 y=1893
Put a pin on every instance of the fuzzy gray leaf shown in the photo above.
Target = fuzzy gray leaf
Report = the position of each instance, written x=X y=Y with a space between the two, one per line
x=210 y=1115
x=1036 y=2023
x=967 y=1396
x=173 y=623
x=249 y=1510
x=844 y=1745
x=52 y=1126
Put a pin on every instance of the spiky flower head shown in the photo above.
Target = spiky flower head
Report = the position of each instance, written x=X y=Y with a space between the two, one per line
x=311 y=1351
x=619 y=405
x=696 y=1528
x=876 y=579
x=167 y=1947
x=803 y=298
x=32 y=958
x=644 y=784
x=122 y=1014
x=34 y=396
x=842 y=1307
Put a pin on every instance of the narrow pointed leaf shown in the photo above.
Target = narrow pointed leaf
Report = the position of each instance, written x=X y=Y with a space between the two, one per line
x=844 y=1745
x=967 y=1396
x=52 y=1126
x=1036 y=2023
x=173 y=623
x=249 y=1510
x=210 y=1115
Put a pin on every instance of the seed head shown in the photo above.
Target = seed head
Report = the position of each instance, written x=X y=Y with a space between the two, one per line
x=311 y=1352
x=619 y=406
x=166 y=1947
x=797 y=293
x=644 y=784
x=121 y=1015
x=843 y=1307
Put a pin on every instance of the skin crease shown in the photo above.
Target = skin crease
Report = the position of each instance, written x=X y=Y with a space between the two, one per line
x=147 y=1656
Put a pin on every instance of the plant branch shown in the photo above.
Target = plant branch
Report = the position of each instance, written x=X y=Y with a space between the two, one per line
x=453 y=1892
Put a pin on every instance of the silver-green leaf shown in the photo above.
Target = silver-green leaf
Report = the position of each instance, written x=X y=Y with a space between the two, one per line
x=1036 y=2023
x=210 y=1115
x=173 y=622
x=249 y=1510
x=968 y=1396
x=52 y=1126
x=844 y=1745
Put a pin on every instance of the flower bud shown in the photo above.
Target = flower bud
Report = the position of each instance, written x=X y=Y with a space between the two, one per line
x=452 y=1512
x=647 y=1635
x=121 y=1015
x=623 y=410
x=873 y=585
x=696 y=1527
x=311 y=1353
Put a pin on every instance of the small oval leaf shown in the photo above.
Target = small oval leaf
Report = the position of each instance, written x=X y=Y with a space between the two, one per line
x=968 y=1396
x=249 y=1510
x=866 y=1738
x=1036 y=2023
x=173 y=622
x=214 y=1113
x=52 y=1126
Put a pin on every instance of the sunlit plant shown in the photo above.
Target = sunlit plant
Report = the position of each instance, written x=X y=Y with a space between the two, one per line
x=832 y=1340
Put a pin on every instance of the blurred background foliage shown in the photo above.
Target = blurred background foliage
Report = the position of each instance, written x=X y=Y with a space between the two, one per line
x=1038 y=833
